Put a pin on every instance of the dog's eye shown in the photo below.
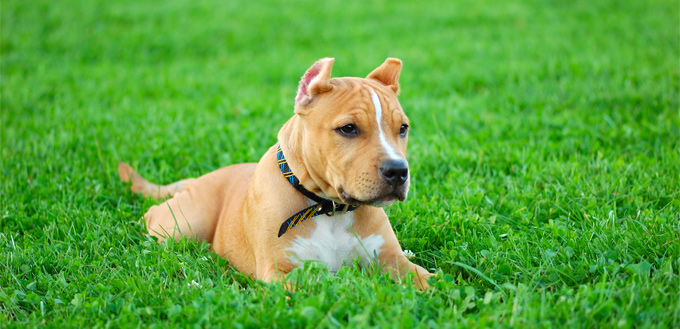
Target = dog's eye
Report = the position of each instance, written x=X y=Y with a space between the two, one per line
x=403 y=130
x=348 y=130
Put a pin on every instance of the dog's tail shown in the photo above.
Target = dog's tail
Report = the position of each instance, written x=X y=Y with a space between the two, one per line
x=146 y=188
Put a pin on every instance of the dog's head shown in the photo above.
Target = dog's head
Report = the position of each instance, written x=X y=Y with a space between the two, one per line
x=354 y=134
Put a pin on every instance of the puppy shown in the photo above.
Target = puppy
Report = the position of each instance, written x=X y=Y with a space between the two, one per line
x=317 y=194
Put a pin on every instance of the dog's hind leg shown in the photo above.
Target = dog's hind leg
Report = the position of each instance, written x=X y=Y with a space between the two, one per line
x=188 y=213
x=196 y=204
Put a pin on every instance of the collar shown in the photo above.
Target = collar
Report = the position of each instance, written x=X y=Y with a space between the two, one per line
x=322 y=206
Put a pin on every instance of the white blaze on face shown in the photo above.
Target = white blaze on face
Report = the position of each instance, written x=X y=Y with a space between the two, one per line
x=378 y=116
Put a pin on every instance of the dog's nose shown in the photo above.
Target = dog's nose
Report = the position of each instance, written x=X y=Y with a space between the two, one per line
x=395 y=172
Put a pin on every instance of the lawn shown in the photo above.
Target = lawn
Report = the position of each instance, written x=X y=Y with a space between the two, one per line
x=544 y=149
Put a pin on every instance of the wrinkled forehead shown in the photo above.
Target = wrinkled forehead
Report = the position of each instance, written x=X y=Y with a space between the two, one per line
x=363 y=86
x=365 y=90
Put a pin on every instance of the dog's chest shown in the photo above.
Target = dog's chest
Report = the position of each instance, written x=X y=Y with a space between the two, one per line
x=333 y=242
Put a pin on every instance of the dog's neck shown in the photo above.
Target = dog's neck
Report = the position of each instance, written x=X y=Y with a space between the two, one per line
x=290 y=138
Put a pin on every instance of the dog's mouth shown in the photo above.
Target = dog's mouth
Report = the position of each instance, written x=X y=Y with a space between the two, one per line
x=380 y=201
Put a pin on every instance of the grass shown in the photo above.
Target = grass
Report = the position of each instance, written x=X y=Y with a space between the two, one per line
x=544 y=149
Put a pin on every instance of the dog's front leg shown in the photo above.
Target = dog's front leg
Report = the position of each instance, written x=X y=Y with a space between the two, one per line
x=420 y=275
x=271 y=274
x=272 y=268
x=399 y=267
x=393 y=261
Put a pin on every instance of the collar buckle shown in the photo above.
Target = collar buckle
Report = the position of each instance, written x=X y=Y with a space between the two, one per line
x=343 y=209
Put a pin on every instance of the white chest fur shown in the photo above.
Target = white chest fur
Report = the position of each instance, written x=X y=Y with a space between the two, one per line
x=333 y=242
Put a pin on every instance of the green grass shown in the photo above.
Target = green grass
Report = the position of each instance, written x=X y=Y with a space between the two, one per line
x=544 y=149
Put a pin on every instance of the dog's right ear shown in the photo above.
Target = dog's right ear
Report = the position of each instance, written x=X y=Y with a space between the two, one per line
x=388 y=73
x=316 y=81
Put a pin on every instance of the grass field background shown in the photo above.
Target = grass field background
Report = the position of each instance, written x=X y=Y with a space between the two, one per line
x=544 y=150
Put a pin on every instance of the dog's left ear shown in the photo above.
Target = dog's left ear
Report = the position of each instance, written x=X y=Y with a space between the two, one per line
x=388 y=73
x=316 y=81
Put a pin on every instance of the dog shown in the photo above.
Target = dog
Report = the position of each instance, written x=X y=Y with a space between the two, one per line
x=316 y=195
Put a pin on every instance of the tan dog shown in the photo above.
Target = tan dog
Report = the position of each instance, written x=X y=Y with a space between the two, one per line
x=346 y=144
